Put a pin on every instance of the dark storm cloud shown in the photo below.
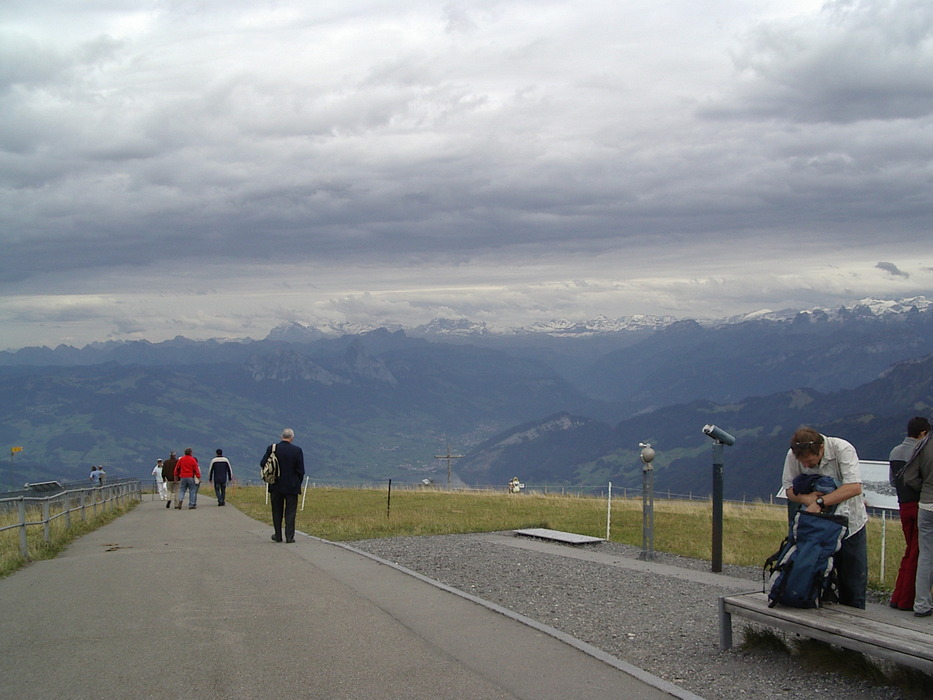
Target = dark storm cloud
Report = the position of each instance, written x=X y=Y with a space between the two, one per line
x=892 y=270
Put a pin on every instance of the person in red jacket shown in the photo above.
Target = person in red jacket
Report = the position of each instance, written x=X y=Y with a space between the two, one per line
x=188 y=475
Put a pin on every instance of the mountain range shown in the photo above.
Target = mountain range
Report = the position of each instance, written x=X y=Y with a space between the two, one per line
x=557 y=404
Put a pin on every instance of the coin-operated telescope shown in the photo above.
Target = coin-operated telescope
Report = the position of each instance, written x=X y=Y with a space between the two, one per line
x=719 y=437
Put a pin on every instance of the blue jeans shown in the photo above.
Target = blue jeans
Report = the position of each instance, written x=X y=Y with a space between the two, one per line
x=923 y=600
x=852 y=566
x=220 y=488
x=187 y=484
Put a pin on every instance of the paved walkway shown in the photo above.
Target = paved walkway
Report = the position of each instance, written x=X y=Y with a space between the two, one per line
x=166 y=603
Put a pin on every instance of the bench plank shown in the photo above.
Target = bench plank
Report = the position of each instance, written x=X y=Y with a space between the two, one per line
x=906 y=642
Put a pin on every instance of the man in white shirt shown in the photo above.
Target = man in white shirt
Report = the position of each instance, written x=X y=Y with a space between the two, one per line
x=813 y=453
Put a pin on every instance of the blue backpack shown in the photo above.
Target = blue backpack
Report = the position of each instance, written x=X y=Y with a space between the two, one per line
x=802 y=569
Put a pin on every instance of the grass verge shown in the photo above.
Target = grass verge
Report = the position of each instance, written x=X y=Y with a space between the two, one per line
x=60 y=536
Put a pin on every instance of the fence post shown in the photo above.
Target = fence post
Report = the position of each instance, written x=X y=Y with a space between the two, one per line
x=23 y=542
x=66 y=504
x=46 y=523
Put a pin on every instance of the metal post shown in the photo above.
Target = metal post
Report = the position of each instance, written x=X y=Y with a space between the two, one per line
x=717 y=507
x=720 y=438
x=647 y=503
x=609 y=512
x=389 y=500
x=46 y=521
x=23 y=541
x=13 y=451
x=883 y=534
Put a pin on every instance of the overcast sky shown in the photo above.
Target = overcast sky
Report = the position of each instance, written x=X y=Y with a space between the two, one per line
x=213 y=168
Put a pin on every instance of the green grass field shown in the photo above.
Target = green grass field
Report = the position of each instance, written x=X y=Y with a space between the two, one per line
x=750 y=532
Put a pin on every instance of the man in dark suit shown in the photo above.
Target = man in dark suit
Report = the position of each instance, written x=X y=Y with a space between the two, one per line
x=283 y=494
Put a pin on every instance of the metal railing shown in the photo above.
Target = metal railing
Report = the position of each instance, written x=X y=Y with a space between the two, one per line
x=34 y=511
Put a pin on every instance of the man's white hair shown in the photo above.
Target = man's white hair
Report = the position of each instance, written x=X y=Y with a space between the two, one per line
x=288 y=434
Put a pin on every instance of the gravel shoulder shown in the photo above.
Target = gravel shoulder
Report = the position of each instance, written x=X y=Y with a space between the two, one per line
x=665 y=624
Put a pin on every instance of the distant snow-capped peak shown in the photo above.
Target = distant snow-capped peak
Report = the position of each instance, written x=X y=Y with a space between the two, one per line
x=463 y=327
x=863 y=307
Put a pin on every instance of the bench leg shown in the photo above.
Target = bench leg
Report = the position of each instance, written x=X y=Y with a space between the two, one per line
x=725 y=626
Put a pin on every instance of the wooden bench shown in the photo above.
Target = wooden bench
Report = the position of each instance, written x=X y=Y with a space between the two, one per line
x=891 y=635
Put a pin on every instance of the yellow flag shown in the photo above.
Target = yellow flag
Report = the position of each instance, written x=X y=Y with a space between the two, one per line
x=14 y=450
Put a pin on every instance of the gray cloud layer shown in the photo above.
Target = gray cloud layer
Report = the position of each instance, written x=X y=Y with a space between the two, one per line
x=213 y=169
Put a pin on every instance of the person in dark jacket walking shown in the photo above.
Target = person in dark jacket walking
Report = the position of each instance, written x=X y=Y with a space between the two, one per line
x=171 y=483
x=218 y=475
x=283 y=494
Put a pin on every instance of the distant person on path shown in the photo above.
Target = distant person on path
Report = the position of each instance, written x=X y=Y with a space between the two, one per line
x=283 y=494
x=171 y=483
x=101 y=475
x=189 y=476
x=919 y=475
x=908 y=503
x=159 y=480
x=813 y=453
x=219 y=473
x=95 y=477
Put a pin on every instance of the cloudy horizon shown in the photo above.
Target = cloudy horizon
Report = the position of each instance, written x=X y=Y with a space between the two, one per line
x=213 y=169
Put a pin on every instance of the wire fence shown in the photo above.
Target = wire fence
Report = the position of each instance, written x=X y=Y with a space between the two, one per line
x=587 y=490
x=62 y=507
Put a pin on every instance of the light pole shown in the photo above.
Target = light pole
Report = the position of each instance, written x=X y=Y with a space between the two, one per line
x=448 y=457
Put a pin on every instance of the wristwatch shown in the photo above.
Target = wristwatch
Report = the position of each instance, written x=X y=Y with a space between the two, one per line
x=819 y=502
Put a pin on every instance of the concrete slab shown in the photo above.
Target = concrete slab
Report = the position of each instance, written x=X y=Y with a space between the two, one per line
x=558 y=536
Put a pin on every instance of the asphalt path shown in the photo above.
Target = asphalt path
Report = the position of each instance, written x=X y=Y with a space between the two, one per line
x=201 y=603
